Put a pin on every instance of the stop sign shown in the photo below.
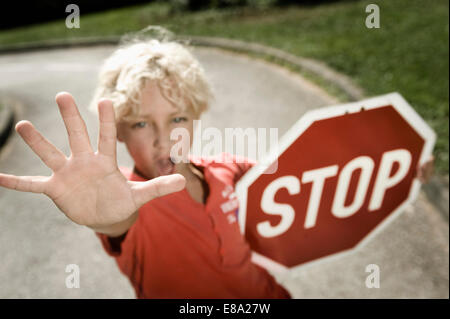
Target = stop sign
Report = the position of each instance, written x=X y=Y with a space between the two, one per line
x=342 y=173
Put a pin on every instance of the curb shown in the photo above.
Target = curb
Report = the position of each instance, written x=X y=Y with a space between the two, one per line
x=58 y=44
x=320 y=69
x=343 y=82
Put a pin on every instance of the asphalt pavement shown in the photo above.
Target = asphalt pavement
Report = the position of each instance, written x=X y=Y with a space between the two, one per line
x=37 y=241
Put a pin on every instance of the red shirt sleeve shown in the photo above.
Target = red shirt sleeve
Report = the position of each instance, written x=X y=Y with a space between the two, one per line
x=112 y=245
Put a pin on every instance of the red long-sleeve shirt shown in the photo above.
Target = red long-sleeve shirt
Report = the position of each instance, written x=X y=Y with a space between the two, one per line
x=180 y=248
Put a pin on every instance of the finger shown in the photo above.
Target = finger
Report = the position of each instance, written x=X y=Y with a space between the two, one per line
x=418 y=171
x=34 y=184
x=76 y=128
x=107 y=139
x=144 y=192
x=47 y=152
x=428 y=171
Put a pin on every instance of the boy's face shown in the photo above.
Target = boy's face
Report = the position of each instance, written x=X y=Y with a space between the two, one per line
x=147 y=137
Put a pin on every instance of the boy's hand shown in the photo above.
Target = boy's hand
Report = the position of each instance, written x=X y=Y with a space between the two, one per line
x=88 y=186
x=425 y=172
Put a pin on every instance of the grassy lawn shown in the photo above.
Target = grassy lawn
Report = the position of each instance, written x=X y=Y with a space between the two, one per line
x=408 y=54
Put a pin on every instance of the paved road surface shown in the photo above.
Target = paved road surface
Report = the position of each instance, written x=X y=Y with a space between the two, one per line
x=37 y=241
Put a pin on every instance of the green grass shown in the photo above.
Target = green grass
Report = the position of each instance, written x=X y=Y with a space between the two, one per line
x=408 y=54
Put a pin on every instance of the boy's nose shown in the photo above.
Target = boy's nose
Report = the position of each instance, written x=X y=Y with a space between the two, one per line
x=161 y=142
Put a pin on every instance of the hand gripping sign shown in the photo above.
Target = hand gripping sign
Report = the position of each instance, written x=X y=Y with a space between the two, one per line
x=343 y=173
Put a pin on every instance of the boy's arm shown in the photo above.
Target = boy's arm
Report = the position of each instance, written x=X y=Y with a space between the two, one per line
x=112 y=245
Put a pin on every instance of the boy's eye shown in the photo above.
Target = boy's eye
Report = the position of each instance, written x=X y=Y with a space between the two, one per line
x=139 y=125
x=179 y=119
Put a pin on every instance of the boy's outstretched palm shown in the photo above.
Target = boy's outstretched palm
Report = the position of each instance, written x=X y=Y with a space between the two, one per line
x=88 y=186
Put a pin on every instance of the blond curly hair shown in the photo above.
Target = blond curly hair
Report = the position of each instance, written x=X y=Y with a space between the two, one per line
x=169 y=64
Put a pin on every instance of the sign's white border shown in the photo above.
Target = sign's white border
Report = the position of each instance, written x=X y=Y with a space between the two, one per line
x=394 y=99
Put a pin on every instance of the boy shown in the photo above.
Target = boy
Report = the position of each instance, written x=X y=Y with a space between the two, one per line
x=162 y=221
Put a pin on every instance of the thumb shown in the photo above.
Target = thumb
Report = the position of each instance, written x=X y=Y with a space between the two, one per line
x=144 y=192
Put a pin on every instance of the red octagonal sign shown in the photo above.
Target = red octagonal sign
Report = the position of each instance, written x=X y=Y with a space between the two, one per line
x=338 y=175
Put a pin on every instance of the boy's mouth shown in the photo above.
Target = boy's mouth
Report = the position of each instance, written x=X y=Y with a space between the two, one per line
x=165 y=167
